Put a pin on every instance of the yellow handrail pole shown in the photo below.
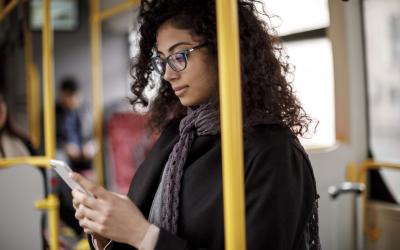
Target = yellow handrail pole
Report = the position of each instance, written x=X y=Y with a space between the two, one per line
x=51 y=204
x=97 y=86
x=96 y=16
x=36 y=131
x=39 y=161
x=231 y=124
x=9 y=7
x=48 y=92
x=53 y=220
x=362 y=177
x=117 y=9
x=32 y=86
x=362 y=172
x=49 y=113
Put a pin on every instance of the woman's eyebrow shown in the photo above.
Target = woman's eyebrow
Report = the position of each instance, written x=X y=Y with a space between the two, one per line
x=178 y=44
x=174 y=46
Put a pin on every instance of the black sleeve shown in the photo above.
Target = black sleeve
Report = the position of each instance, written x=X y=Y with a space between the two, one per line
x=279 y=197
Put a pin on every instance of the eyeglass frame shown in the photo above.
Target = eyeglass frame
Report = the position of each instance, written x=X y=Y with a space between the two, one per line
x=166 y=61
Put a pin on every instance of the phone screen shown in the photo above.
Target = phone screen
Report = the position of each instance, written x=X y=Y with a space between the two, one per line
x=63 y=170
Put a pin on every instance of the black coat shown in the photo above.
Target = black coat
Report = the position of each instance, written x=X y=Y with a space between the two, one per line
x=280 y=191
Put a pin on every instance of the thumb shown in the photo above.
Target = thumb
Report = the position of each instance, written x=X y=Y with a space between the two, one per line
x=88 y=185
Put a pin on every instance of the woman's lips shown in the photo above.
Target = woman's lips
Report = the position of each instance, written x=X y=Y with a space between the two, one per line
x=179 y=91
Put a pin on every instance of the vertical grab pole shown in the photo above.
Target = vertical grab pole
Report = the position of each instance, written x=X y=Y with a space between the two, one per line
x=32 y=87
x=97 y=86
x=231 y=124
x=53 y=204
x=49 y=114
x=48 y=91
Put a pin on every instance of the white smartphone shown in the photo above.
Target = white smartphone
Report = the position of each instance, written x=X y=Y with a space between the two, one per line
x=63 y=171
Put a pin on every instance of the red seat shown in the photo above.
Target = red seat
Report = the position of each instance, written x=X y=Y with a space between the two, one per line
x=129 y=142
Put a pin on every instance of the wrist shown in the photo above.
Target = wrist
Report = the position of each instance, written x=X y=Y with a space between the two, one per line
x=138 y=238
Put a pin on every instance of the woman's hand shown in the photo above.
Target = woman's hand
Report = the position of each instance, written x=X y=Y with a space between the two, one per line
x=108 y=214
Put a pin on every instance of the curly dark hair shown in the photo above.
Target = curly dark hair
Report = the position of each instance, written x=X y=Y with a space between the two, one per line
x=264 y=70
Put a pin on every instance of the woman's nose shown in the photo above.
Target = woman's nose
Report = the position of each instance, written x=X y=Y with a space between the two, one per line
x=170 y=74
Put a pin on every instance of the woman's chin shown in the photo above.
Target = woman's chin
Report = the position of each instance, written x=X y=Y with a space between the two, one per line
x=186 y=101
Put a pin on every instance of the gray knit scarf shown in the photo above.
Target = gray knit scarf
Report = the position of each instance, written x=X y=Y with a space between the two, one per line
x=204 y=120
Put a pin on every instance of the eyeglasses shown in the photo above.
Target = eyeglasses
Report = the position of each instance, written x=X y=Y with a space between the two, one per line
x=177 y=61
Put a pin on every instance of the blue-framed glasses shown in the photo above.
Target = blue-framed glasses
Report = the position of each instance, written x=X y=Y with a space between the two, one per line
x=177 y=61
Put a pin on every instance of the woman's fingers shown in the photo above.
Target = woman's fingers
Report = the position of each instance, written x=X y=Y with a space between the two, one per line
x=93 y=227
x=75 y=201
x=75 y=204
x=79 y=214
x=85 y=212
x=81 y=198
x=88 y=225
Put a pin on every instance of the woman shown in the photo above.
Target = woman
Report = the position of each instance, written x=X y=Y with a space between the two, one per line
x=175 y=199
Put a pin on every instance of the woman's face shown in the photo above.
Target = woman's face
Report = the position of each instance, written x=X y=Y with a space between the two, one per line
x=197 y=82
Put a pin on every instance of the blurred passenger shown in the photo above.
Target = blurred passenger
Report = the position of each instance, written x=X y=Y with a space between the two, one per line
x=74 y=143
x=73 y=127
x=13 y=141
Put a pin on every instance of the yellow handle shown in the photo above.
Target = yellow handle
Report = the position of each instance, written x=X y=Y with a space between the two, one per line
x=51 y=203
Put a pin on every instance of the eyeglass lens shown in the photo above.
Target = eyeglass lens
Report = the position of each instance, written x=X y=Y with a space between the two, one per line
x=176 y=61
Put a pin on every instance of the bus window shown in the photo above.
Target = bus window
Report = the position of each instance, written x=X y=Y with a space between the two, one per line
x=303 y=29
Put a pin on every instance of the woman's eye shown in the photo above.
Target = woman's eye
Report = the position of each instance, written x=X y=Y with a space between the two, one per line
x=180 y=57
